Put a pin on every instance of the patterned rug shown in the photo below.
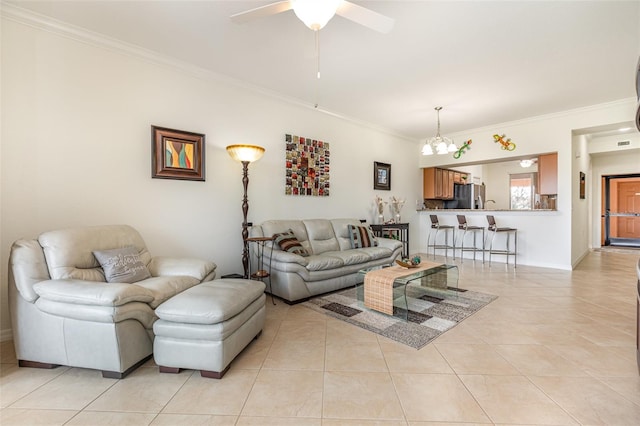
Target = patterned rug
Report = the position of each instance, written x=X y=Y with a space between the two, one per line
x=432 y=311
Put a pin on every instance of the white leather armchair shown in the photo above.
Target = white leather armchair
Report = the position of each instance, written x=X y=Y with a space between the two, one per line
x=63 y=311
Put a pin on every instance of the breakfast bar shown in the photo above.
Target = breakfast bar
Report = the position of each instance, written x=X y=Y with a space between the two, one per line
x=538 y=231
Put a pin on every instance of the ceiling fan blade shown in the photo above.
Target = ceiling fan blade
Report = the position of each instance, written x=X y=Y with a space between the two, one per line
x=262 y=11
x=366 y=17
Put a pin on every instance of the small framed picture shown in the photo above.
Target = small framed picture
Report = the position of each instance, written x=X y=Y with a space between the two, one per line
x=381 y=176
x=177 y=154
x=582 y=186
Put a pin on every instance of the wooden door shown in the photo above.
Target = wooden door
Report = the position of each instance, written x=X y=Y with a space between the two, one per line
x=628 y=202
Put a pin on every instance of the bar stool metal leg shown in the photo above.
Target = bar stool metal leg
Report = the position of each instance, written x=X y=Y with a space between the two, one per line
x=463 y=229
x=508 y=232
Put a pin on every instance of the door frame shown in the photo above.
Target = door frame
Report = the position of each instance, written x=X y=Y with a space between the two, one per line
x=606 y=214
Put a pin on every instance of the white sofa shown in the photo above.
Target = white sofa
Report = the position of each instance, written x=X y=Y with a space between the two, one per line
x=63 y=311
x=332 y=263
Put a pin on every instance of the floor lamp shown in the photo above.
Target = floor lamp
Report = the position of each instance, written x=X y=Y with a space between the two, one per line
x=245 y=154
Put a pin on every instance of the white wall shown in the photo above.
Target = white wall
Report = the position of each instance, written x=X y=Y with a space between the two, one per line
x=580 y=212
x=76 y=150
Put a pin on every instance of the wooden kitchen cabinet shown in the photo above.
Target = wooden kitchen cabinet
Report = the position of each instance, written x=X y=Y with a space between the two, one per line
x=438 y=183
x=429 y=183
x=548 y=174
x=449 y=187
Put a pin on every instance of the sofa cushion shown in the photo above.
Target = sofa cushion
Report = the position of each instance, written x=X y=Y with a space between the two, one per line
x=288 y=242
x=378 y=252
x=122 y=265
x=321 y=236
x=362 y=236
x=341 y=230
x=69 y=252
x=272 y=227
x=322 y=262
x=350 y=257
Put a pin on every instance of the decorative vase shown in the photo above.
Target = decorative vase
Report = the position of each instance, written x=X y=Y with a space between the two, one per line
x=398 y=218
x=380 y=219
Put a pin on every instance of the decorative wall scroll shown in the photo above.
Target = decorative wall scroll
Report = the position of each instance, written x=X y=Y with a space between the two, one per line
x=307 y=166
x=582 y=186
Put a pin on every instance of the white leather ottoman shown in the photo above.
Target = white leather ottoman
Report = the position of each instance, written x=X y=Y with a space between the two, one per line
x=205 y=327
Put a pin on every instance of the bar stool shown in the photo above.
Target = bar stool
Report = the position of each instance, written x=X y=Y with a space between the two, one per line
x=508 y=231
x=464 y=226
x=435 y=225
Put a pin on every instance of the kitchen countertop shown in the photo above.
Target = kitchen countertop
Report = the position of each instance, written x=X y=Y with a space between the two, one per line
x=486 y=210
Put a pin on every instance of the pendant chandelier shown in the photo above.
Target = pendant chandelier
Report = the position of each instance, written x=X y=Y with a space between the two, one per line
x=438 y=144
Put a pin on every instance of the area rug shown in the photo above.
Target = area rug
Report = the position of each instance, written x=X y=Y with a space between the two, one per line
x=431 y=312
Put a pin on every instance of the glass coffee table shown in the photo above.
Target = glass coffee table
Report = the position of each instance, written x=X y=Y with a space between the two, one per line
x=391 y=295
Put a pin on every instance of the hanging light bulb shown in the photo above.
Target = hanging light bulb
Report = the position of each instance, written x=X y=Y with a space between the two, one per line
x=439 y=144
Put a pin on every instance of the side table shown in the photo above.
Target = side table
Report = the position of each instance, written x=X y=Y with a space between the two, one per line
x=261 y=273
x=400 y=229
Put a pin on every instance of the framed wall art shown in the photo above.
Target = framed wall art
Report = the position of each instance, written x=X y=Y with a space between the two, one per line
x=307 y=165
x=177 y=154
x=381 y=176
x=582 y=186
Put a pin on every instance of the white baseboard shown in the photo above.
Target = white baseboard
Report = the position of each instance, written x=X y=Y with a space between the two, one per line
x=6 y=334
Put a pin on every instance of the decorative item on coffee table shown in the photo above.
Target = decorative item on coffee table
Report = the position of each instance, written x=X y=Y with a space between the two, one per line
x=414 y=262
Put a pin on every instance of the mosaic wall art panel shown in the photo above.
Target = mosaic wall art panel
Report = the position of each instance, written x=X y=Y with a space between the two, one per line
x=307 y=166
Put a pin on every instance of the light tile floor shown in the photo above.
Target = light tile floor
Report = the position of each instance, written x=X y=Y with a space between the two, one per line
x=556 y=348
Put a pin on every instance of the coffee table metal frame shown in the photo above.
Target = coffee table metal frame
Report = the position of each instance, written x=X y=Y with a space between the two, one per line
x=421 y=278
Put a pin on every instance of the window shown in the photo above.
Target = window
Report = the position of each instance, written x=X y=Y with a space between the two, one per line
x=522 y=189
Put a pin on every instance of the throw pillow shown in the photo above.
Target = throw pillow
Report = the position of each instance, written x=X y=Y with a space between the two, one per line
x=362 y=236
x=288 y=242
x=122 y=265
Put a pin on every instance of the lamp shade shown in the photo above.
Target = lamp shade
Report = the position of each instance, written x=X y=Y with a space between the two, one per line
x=315 y=13
x=249 y=153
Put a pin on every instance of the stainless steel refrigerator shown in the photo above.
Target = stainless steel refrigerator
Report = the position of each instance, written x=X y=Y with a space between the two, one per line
x=466 y=196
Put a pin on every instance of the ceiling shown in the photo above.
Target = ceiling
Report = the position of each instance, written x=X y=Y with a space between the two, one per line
x=484 y=62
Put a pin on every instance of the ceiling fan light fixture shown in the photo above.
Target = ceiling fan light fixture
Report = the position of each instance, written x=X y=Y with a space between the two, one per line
x=439 y=144
x=315 y=13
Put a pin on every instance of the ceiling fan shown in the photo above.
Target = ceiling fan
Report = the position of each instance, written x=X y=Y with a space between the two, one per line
x=316 y=13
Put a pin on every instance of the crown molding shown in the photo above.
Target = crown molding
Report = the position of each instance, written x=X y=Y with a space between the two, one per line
x=45 y=23
x=544 y=117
